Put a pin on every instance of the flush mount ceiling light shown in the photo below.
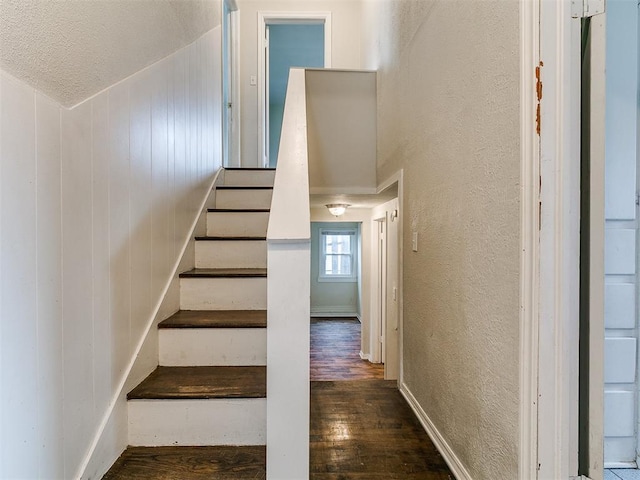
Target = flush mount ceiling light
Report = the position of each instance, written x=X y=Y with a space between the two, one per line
x=337 y=209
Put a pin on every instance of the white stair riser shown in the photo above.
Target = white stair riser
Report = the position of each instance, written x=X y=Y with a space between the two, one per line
x=231 y=254
x=241 y=224
x=223 y=293
x=243 y=198
x=239 y=421
x=261 y=178
x=184 y=347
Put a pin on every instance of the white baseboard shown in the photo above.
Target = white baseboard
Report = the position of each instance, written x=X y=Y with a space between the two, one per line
x=332 y=313
x=454 y=463
x=365 y=357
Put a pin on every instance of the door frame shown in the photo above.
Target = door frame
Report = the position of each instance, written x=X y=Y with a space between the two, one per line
x=377 y=338
x=550 y=202
x=265 y=18
x=231 y=126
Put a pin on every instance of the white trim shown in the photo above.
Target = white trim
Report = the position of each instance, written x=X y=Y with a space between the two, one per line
x=558 y=329
x=150 y=321
x=365 y=356
x=342 y=190
x=337 y=311
x=328 y=278
x=529 y=239
x=398 y=177
x=265 y=18
x=455 y=464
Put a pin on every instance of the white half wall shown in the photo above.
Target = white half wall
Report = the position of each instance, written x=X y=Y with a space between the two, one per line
x=95 y=206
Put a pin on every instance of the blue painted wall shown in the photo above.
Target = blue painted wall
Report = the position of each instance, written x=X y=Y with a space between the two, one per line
x=289 y=46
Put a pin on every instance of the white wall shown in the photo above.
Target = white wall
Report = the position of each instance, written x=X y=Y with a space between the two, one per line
x=339 y=102
x=331 y=298
x=95 y=205
x=448 y=114
x=345 y=53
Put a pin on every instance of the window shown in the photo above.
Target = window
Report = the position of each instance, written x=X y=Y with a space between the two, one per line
x=338 y=255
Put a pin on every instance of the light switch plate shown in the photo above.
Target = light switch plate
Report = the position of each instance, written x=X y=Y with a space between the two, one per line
x=414 y=242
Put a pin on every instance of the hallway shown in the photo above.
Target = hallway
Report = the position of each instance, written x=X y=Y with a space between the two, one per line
x=361 y=427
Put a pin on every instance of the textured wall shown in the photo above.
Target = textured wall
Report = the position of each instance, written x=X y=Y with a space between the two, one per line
x=73 y=49
x=345 y=53
x=95 y=205
x=448 y=101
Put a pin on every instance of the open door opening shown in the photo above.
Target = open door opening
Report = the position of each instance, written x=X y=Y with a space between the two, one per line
x=287 y=40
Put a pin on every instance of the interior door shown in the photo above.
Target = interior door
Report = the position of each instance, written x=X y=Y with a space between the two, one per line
x=621 y=286
x=391 y=334
x=382 y=288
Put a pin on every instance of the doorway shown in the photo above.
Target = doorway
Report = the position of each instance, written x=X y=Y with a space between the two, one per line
x=230 y=91
x=287 y=40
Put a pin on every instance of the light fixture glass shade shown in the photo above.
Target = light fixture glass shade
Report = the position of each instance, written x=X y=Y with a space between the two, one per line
x=337 y=209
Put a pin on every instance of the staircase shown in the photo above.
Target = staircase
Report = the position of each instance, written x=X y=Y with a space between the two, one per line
x=202 y=412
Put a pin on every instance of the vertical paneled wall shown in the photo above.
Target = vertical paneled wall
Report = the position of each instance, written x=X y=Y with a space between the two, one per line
x=96 y=203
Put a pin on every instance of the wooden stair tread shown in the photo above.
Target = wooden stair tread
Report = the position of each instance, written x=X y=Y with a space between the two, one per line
x=202 y=383
x=216 y=319
x=219 y=238
x=249 y=169
x=224 y=273
x=190 y=463
x=244 y=187
x=238 y=210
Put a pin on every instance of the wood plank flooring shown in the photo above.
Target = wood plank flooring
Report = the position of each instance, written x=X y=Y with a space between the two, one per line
x=202 y=382
x=335 y=351
x=361 y=426
x=190 y=463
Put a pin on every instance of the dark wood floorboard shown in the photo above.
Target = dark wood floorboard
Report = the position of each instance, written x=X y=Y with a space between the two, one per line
x=361 y=426
x=216 y=319
x=190 y=463
x=335 y=351
x=224 y=273
x=202 y=382
x=364 y=429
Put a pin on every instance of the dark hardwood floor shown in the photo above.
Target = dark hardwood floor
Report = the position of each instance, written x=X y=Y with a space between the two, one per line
x=189 y=463
x=361 y=427
x=335 y=351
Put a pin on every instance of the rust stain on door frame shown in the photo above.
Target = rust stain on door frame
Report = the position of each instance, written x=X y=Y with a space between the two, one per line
x=539 y=95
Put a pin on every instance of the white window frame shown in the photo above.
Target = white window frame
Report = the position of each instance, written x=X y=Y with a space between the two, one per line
x=322 y=277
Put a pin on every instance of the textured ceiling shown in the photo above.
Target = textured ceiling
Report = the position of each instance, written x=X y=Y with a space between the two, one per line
x=72 y=49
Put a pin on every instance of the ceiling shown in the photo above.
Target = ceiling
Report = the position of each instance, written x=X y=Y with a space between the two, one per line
x=73 y=49
x=355 y=201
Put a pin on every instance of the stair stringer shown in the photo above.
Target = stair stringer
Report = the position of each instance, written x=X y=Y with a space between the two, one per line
x=114 y=424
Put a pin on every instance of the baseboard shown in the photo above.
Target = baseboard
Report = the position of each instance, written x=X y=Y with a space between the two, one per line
x=365 y=356
x=119 y=394
x=454 y=463
x=333 y=313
